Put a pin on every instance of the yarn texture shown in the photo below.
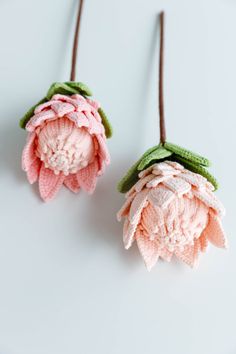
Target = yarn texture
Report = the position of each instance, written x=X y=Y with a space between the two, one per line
x=167 y=151
x=66 y=143
x=171 y=211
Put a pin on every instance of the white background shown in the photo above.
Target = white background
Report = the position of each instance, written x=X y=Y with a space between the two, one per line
x=67 y=286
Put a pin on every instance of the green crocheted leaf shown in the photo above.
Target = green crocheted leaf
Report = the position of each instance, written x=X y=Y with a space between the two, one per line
x=80 y=87
x=159 y=153
x=188 y=155
x=61 y=88
x=131 y=176
x=106 y=123
x=197 y=169
x=24 y=120
x=68 y=88
x=129 y=179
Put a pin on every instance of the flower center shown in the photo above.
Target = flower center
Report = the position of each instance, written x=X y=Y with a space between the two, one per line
x=63 y=147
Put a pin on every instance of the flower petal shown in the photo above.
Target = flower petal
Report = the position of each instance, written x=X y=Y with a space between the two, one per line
x=124 y=210
x=64 y=98
x=87 y=177
x=214 y=231
x=137 y=206
x=103 y=151
x=71 y=182
x=49 y=183
x=128 y=233
x=79 y=119
x=194 y=179
x=153 y=222
x=44 y=106
x=177 y=185
x=33 y=171
x=165 y=254
x=39 y=118
x=62 y=108
x=148 y=249
x=189 y=254
x=161 y=197
x=28 y=155
x=95 y=104
x=203 y=242
x=210 y=200
x=95 y=127
x=142 y=182
x=156 y=180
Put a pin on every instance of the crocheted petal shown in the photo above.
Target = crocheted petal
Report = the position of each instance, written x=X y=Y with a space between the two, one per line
x=81 y=102
x=165 y=254
x=103 y=150
x=44 y=106
x=156 y=180
x=124 y=210
x=64 y=98
x=194 y=179
x=33 y=171
x=79 y=119
x=71 y=182
x=203 y=242
x=87 y=177
x=148 y=249
x=49 y=183
x=175 y=165
x=39 y=118
x=95 y=127
x=28 y=155
x=165 y=169
x=95 y=104
x=177 y=185
x=214 y=231
x=161 y=168
x=142 y=182
x=210 y=200
x=62 y=108
x=128 y=233
x=188 y=255
x=161 y=197
x=137 y=206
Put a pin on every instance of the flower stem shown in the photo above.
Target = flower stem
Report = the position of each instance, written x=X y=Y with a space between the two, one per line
x=75 y=43
x=161 y=95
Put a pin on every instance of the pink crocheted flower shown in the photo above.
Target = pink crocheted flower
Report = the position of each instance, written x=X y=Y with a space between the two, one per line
x=172 y=211
x=66 y=145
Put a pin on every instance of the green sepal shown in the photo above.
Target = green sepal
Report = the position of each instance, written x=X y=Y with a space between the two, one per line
x=24 y=120
x=159 y=153
x=131 y=176
x=106 y=123
x=68 y=88
x=187 y=154
x=81 y=88
x=129 y=179
x=197 y=169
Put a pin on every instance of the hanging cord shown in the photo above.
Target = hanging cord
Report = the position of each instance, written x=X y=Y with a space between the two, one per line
x=75 y=43
x=161 y=69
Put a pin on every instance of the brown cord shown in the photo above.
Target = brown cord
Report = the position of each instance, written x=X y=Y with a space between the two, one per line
x=75 y=44
x=161 y=95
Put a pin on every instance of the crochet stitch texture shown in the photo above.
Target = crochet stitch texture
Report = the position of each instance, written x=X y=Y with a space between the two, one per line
x=66 y=145
x=172 y=211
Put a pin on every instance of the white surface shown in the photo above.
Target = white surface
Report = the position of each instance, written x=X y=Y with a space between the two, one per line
x=66 y=283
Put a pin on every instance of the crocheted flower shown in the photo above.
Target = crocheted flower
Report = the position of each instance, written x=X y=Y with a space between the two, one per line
x=172 y=211
x=66 y=145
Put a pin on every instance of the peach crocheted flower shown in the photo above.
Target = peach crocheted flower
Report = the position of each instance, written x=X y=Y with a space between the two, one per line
x=172 y=211
x=66 y=145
